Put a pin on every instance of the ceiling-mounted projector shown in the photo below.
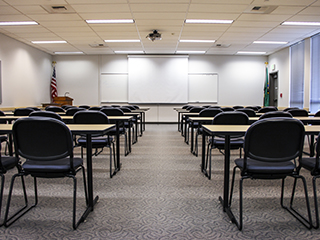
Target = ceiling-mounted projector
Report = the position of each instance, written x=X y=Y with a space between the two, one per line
x=155 y=35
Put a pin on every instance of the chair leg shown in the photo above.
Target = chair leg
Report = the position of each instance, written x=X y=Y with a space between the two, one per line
x=232 y=184
x=305 y=222
x=1 y=194
x=22 y=211
x=315 y=202
x=111 y=173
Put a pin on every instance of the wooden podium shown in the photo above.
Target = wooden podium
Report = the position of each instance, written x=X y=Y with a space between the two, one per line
x=63 y=101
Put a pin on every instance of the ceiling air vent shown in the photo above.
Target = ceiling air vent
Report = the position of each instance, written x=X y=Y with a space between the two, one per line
x=260 y=9
x=98 y=45
x=221 y=45
x=58 y=8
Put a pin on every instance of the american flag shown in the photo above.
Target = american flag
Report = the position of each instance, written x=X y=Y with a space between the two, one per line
x=53 y=86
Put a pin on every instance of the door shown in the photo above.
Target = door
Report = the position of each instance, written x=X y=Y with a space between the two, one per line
x=273 y=89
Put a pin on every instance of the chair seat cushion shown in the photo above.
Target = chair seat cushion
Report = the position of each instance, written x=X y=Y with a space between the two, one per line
x=309 y=164
x=3 y=138
x=56 y=166
x=234 y=143
x=259 y=167
x=9 y=162
x=97 y=142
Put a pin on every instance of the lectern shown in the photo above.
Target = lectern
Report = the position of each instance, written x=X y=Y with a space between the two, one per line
x=63 y=100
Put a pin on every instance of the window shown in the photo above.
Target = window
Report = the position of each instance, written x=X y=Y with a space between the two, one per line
x=297 y=75
x=315 y=74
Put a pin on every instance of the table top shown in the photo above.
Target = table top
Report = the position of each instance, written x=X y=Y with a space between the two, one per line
x=236 y=129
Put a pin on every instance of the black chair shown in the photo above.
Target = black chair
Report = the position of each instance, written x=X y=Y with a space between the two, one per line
x=236 y=142
x=95 y=108
x=73 y=110
x=250 y=112
x=227 y=109
x=65 y=107
x=254 y=108
x=4 y=138
x=312 y=164
x=289 y=108
x=267 y=109
x=317 y=114
x=22 y=111
x=207 y=112
x=237 y=107
x=98 y=141
x=47 y=146
x=122 y=129
x=298 y=112
x=84 y=106
x=46 y=114
x=7 y=163
x=55 y=109
x=275 y=114
x=271 y=148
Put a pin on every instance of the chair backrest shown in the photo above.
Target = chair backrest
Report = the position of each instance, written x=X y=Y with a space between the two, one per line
x=231 y=118
x=196 y=109
x=72 y=111
x=298 y=112
x=250 y=112
x=84 y=106
x=209 y=112
x=2 y=121
x=255 y=108
x=267 y=109
x=130 y=107
x=289 y=108
x=317 y=114
x=112 y=111
x=136 y=106
x=275 y=114
x=65 y=107
x=45 y=114
x=95 y=108
x=55 y=109
x=90 y=117
x=125 y=109
x=185 y=106
x=237 y=107
x=274 y=139
x=22 y=111
x=227 y=109
x=42 y=139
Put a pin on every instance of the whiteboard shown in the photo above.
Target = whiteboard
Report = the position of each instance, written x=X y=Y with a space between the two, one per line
x=158 y=79
x=114 y=88
x=203 y=87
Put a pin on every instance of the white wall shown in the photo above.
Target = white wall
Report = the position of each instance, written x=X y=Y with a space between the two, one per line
x=281 y=60
x=78 y=75
x=26 y=74
x=241 y=80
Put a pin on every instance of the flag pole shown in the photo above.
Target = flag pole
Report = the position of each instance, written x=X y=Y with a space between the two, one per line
x=266 y=100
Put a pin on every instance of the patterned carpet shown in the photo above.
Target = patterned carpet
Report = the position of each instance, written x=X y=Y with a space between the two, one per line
x=159 y=193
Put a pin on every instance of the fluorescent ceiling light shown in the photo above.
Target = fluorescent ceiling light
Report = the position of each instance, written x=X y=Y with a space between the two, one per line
x=61 y=53
x=18 y=23
x=111 y=21
x=191 y=52
x=133 y=52
x=301 y=23
x=123 y=40
x=269 y=42
x=212 y=21
x=198 y=41
x=251 y=53
x=47 y=42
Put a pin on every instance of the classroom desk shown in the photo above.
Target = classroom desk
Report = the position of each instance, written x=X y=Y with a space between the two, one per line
x=227 y=131
x=194 y=118
x=118 y=120
x=88 y=130
x=142 y=112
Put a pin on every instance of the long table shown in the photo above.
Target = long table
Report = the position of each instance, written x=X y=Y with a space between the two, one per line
x=228 y=131
x=118 y=120
x=88 y=130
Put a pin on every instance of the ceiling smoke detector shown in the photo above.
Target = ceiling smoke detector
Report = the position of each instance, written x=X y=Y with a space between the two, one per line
x=155 y=35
